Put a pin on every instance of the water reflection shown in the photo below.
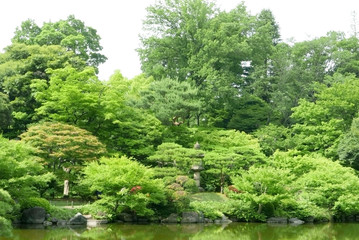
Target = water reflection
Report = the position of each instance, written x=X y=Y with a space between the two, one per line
x=241 y=231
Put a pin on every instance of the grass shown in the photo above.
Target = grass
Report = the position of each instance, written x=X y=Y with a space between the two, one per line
x=67 y=202
x=208 y=196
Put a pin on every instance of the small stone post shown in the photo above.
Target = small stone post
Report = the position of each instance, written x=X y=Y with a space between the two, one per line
x=197 y=168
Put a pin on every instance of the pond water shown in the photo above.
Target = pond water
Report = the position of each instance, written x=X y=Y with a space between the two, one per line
x=242 y=231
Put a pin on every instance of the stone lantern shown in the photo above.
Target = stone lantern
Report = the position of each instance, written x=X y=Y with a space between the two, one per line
x=197 y=168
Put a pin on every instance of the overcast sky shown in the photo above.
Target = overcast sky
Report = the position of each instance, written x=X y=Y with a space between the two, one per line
x=119 y=22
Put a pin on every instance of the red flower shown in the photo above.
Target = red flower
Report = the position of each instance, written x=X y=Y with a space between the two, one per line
x=135 y=189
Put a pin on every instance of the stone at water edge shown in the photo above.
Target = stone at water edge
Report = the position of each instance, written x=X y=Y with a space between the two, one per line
x=172 y=218
x=35 y=215
x=78 y=219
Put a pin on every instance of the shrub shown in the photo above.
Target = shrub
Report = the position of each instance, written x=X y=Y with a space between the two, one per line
x=62 y=213
x=35 y=202
x=190 y=186
x=212 y=210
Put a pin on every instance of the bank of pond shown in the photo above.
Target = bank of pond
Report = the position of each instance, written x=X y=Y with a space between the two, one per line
x=211 y=231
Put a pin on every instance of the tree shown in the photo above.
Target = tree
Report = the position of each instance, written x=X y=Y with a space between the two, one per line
x=320 y=124
x=173 y=28
x=127 y=129
x=297 y=185
x=174 y=155
x=65 y=149
x=125 y=185
x=274 y=137
x=71 y=96
x=71 y=34
x=21 y=172
x=5 y=210
x=250 y=113
x=21 y=66
x=171 y=101
x=192 y=41
x=62 y=145
x=5 y=112
x=348 y=147
x=226 y=152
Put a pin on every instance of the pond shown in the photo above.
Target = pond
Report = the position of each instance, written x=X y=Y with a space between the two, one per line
x=241 y=231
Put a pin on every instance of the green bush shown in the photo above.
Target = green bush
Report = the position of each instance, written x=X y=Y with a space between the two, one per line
x=5 y=227
x=97 y=211
x=35 y=202
x=190 y=186
x=62 y=213
x=211 y=210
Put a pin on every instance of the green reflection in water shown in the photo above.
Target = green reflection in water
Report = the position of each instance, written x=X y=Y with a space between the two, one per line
x=241 y=231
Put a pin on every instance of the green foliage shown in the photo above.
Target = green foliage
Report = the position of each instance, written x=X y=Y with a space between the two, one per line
x=6 y=206
x=320 y=124
x=174 y=155
x=226 y=152
x=71 y=34
x=250 y=113
x=62 y=213
x=296 y=186
x=274 y=137
x=35 y=202
x=348 y=147
x=5 y=112
x=63 y=145
x=128 y=130
x=125 y=185
x=5 y=228
x=21 y=173
x=24 y=76
x=71 y=96
x=171 y=101
x=193 y=41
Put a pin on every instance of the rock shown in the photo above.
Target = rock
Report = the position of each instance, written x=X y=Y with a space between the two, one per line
x=94 y=223
x=223 y=220
x=126 y=217
x=47 y=223
x=190 y=217
x=295 y=221
x=173 y=218
x=54 y=220
x=309 y=219
x=78 y=219
x=207 y=220
x=61 y=223
x=280 y=220
x=35 y=215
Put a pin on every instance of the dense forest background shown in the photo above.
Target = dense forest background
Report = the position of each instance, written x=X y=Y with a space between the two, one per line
x=277 y=123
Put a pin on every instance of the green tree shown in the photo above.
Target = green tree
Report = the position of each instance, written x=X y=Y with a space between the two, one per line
x=274 y=137
x=20 y=67
x=250 y=113
x=5 y=112
x=71 y=96
x=320 y=124
x=125 y=185
x=174 y=155
x=348 y=148
x=127 y=129
x=64 y=148
x=6 y=207
x=191 y=40
x=226 y=152
x=71 y=34
x=171 y=101
x=62 y=145
x=293 y=185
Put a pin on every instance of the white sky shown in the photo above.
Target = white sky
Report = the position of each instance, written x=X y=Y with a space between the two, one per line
x=119 y=22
